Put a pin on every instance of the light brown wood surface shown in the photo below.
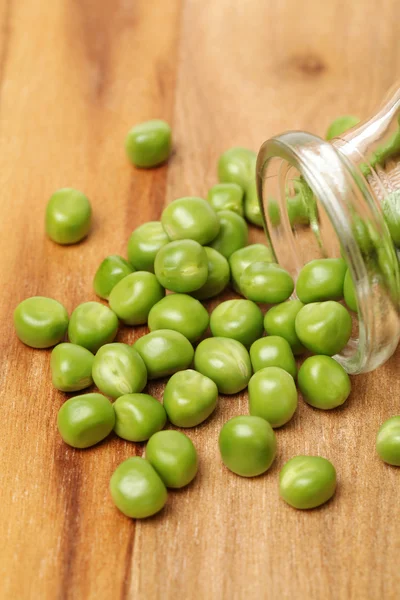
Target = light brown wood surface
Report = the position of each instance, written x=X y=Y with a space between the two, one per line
x=75 y=75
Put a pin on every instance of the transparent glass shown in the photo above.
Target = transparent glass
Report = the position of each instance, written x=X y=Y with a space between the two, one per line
x=324 y=199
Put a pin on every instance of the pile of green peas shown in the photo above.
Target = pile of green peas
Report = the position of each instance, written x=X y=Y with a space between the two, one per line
x=193 y=253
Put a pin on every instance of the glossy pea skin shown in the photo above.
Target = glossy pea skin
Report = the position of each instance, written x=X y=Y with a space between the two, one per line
x=323 y=382
x=173 y=456
x=252 y=209
x=40 y=322
x=237 y=165
x=247 y=445
x=92 y=325
x=68 y=216
x=341 y=125
x=226 y=362
x=391 y=212
x=71 y=367
x=272 y=396
x=273 y=351
x=86 y=420
x=118 y=369
x=232 y=235
x=138 y=417
x=182 y=266
x=148 y=144
x=189 y=398
x=226 y=196
x=244 y=257
x=321 y=279
x=164 y=352
x=349 y=292
x=136 y=489
x=217 y=278
x=266 y=282
x=307 y=481
x=240 y=320
x=111 y=270
x=182 y=313
x=190 y=218
x=280 y=320
x=388 y=441
x=324 y=327
x=134 y=296
x=144 y=243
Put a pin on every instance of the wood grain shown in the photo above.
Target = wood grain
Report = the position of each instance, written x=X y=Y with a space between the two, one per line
x=74 y=76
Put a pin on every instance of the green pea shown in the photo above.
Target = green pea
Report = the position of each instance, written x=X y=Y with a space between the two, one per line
x=232 y=235
x=244 y=257
x=40 y=322
x=182 y=266
x=240 y=320
x=217 y=278
x=324 y=327
x=71 y=367
x=266 y=282
x=92 y=325
x=68 y=216
x=226 y=196
x=388 y=441
x=323 y=382
x=307 y=481
x=391 y=212
x=164 y=352
x=110 y=272
x=272 y=396
x=280 y=320
x=174 y=457
x=86 y=420
x=134 y=296
x=118 y=369
x=252 y=209
x=237 y=165
x=182 y=313
x=149 y=144
x=189 y=398
x=225 y=361
x=274 y=212
x=321 y=279
x=138 y=417
x=247 y=445
x=190 y=218
x=144 y=243
x=301 y=206
x=273 y=351
x=349 y=292
x=341 y=125
x=136 y=489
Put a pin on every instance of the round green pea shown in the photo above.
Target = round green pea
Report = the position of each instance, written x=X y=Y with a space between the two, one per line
x=92 y=325
x=242 y=258
x=118 y=369
x=266 y=282
x=164 y=352
x=323 y=382
x=240 y=320
x=134 y=296
x=391 y=212
x=110 y=272
x=307 y=481
x=280 y=320
x=144 y=243
x=85 y=420
x=226 y=362
x=272 y=396
x=252 y=209
x=217 y=278
x=273 y=351
x=341 y=125
x=190 y=218
x=148 y=144
x=136 y=489
x=237 y=165
x=68 y=216
x=71 y=367
x=189 y=398
x=349 y=292
x=321 y=279
x=388 y=441
x=40 y=322
x=324 y=327
x=173 y=456
x=138 y=417
x=247 y=445
x=232 y=235
x=226 y=196
x=182 y=266
x=182 y=313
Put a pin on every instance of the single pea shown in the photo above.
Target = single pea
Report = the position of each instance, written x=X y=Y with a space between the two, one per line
x=244 y=257
x=247 y=445
x=173 y=456
x=144 y=243
x=323 y=382
x=388 y=441
x=391 y=212
x=118 y=369
x=324 y=327
x=136 y=489
x=71 y=367
x=280 y=320
x=266 y=282
x=217 y=278
x=226 y=362
x=164 y=352
x=138 y=416
x=40 y=322
x=321 y=279
x=92 y=325
x=273 y=351
x=189 y=398
x=232 y=235
x=134 y=296
x=182 y=266
x=307 y=481
x=85 y=420
x=110 y=272
x=182 y=313
x=237 y=165
x=301 y=205
x=240 y=320
x=349 y=292
x=341 y=125
x=149 y=144
x=274 y=212
x=226 y=196
x=68 y=216
x=252 y=209
x=272 y=396
x=190 y=218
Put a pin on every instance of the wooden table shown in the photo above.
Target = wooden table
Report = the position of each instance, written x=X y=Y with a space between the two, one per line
x=75 y=76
